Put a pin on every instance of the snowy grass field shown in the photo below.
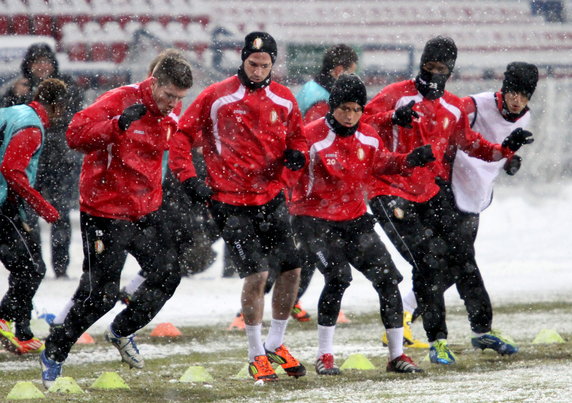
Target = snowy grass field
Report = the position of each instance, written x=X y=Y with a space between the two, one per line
x=536 y=373
x=524 y=252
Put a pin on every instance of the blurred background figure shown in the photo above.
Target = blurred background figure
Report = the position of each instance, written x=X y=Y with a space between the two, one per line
x=313 y=97
x=59 y=166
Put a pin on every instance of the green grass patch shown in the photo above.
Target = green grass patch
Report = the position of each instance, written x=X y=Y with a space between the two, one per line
x=478 y=376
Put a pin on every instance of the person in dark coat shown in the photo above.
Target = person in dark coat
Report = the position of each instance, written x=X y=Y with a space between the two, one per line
x=59 y=166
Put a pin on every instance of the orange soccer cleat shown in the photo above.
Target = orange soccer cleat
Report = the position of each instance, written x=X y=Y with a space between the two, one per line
x=261 y=370
x=289 y=364
x=299 y=313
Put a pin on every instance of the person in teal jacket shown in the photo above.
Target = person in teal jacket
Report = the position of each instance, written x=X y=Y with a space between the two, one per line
x=313 y=97
x=22 y=132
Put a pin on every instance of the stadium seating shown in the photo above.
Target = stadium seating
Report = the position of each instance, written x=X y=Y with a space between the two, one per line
x=488 y=33
x=89 y=30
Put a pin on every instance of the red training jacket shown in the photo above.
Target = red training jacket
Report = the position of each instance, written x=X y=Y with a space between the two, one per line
x=442 y=123
x=17 y=158
x=244 y=134
x=316 y=111
x=333 y=183
x=121 y=171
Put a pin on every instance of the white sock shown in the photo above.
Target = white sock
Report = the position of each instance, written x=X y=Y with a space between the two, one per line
x=409 y=302
x=254 y=337
x=395 y=342
x=134 y=284
x=61 y=316
x=276 y=334
x=475 y=334
x=325 y=340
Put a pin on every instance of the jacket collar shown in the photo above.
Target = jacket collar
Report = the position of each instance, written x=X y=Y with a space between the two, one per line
x=146 y=88
x=41 y=111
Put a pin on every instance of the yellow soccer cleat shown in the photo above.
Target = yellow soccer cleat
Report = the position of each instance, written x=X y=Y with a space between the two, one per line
x=14 y=345
x=408 y=340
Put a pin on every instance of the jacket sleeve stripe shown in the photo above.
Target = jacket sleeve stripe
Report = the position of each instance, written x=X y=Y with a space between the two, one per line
x=219 y=103
x=279 y=100
x=367 y=140
x=314 y=149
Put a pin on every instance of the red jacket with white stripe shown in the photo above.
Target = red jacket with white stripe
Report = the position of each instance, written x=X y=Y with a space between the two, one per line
x=121 y=172
x=244 y=134
x=442 y=123
x=334 y=182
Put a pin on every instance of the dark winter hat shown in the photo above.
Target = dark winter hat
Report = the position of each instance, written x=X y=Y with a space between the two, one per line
x=440 y=49
x=35 y=52
x=348 y=88
x=520 y=77
x=259 y=42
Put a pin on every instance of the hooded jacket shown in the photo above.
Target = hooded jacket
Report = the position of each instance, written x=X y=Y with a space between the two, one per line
x=59 y=166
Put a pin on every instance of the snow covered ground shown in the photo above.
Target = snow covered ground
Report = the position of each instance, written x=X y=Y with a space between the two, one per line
x=523 y=249
x=524 y=252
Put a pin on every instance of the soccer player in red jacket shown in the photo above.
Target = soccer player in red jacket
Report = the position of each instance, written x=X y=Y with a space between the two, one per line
x=22 y=132
x=251 y=131
x=495 y=115
x=331 y=223
x=418 y=212
x=123 y=135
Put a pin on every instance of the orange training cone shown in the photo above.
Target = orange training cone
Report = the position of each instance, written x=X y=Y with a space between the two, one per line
x=237 y=323
x=165 y=330
x=342 y=318
x=85 y=339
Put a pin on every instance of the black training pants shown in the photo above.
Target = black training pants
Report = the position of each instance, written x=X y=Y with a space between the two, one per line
x=437 y=239
x=21 y=256
x=106 y=243
x=332 y=246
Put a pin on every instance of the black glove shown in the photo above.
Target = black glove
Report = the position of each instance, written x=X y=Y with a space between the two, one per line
x=420 y=156
x=512 y=165
x=130 y=115
x=517 y=139
x=294 y=159
x=197 y=190
x=403 y=115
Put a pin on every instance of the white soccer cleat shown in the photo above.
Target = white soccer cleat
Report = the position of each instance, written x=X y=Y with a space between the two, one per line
x=126 y=347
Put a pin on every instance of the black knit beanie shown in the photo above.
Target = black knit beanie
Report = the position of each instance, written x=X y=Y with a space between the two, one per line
x=348 y=88
x=520 y=77
x=259 y=42
x=440 y=49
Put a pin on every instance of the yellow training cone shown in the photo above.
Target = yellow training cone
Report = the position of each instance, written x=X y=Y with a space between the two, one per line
x=66 y=384
x=25 y=391
x=279 y=370
x=196 y=374
x=357 y=361
x=547 y=336
x=108 y=381
x=243 y=373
